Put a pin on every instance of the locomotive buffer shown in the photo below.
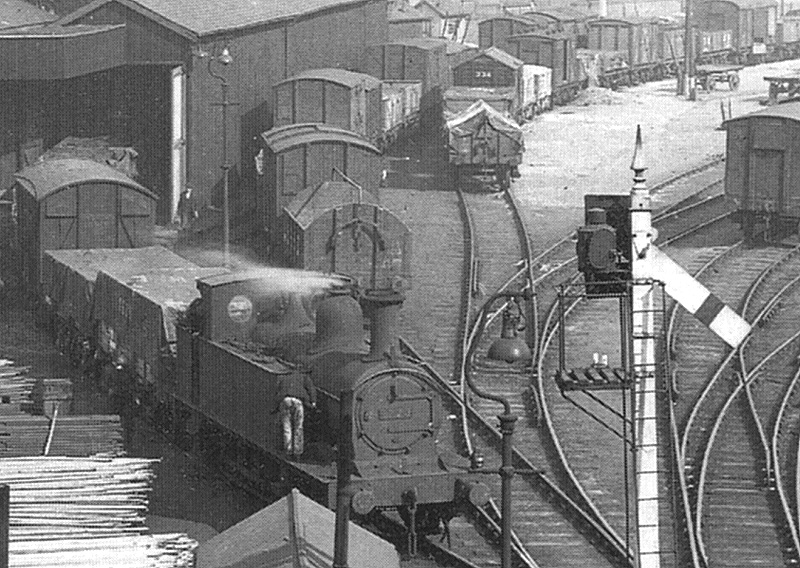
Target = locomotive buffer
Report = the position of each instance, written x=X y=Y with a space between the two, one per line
x=635 y=280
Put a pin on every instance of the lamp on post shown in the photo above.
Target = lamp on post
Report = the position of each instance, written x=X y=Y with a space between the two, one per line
x=510 y=349
x=224 y=59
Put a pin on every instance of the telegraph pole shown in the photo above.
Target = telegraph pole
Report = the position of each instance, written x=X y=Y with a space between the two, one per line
x=689 y=87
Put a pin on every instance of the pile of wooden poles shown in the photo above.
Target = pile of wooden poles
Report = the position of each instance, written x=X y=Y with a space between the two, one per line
x=15 y=385
x=82 y=435
x=86 y=512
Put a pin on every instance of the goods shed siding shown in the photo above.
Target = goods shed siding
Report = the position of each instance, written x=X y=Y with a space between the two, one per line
x=268 y=45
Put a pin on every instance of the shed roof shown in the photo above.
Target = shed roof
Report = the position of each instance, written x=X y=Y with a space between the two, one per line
x=446 y=7
x=58 y=31
x=312 y=202
x=49 y=176
x=401 y=12
x=16 y=13
x=285 y=137
x=293 y=532
x=789 y=110
x=340 y=76
x=498 y=55
x=207 y=17
x=424 y=43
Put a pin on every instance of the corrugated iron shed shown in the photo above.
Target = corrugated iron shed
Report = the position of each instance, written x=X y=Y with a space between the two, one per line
x=49 y=176
x=206 y=17
x=291 y=135
x=294 y=532
x=313 y=201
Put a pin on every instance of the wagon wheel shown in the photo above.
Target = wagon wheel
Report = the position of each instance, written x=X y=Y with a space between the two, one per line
x=733 y=81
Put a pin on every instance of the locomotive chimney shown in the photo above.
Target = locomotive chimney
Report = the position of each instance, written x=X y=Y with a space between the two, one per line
x=381 y=308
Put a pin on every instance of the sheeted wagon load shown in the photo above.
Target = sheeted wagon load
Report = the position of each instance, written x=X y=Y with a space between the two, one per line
x=482 y=136
x=98 y=149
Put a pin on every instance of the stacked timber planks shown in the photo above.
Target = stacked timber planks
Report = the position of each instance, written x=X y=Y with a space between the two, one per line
x=15 y=386
x=85 y=512
x=82 y=435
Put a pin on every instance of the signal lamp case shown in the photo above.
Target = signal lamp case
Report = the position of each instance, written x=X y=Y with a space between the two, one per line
x=603 y=244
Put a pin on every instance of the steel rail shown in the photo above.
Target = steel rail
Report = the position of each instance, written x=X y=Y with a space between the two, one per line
x=779 y=474
x=754 y=286
x=549 y=330
x=715 y=430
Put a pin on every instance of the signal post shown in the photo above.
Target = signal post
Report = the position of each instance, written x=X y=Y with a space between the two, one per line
x=643 y=369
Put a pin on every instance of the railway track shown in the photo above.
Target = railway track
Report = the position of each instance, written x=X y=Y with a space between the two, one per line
x=589 y=428
x=742 y=517
x=549 y=536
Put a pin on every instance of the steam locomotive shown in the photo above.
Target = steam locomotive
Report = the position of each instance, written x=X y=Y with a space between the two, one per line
x=205 y=348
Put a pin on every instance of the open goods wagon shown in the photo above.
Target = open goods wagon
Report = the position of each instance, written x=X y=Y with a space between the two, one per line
x=563 y=20
x=496 y=31
x=752 y=23
x=68 y=283
x=401 y=105
x=78 y=203
x=344 y=99
x=556 y=52
x=637 y=40
x=762 y=171
x=483 y=142
x=413 y=59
